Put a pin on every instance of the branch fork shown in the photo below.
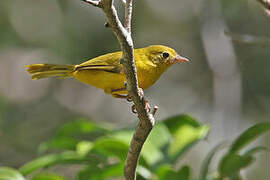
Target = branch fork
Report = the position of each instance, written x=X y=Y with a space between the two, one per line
x=146 y=118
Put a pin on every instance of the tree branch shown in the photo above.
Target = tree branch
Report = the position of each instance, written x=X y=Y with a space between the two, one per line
x=146 y=120
x=93 y=2
x=128 y=14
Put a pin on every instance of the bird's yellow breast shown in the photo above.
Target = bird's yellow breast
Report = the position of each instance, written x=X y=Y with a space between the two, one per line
x=101 y=79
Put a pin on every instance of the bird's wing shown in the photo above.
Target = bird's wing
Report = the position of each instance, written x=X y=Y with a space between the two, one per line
x=108 y=62
x=107 y=68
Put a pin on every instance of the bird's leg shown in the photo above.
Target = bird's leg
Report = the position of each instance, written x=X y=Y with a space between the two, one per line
x=115 y=93
x=129 y=99
x=119 y=96
x=147 y=105
x=141 y=93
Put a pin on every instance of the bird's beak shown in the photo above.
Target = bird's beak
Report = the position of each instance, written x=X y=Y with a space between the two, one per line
x=179 y=58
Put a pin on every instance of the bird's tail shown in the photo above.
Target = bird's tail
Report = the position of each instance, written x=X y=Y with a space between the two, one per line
x=39 y=71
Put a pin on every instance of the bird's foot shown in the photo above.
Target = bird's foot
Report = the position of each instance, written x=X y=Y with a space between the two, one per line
x=147 y=107
x=114 y=93
x=141 y=93
x=129 y=99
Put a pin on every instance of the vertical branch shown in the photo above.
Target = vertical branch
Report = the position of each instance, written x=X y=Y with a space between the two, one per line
x=146 y=119
x=128 y=15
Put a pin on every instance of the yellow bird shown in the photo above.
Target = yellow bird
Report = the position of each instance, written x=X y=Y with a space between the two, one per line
x=106 y=72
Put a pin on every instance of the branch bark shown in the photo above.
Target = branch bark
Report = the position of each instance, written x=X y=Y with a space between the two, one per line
x=128 y=15
x=146 y=119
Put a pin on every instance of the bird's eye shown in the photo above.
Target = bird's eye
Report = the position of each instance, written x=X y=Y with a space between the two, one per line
x=165 y=55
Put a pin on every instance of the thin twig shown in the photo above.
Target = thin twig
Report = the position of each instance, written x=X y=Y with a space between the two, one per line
x=154 y=110
x=93 y=2
x=147 y=120
x=128 y=14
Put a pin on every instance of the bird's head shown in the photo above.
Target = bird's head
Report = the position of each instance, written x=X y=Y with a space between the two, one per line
x=163 y=55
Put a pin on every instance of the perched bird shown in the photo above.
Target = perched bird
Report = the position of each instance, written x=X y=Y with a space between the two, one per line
x=107 y=73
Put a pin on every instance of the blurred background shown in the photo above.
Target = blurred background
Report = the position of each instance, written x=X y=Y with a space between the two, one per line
x=227 y=84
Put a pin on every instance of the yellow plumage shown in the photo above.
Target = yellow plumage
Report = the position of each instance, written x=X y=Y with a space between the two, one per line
x=106 y=72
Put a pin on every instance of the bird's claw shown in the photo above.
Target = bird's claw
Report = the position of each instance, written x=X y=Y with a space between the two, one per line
x=141 y=93
x=133 y=109
x=129 y=99
x=147 y=107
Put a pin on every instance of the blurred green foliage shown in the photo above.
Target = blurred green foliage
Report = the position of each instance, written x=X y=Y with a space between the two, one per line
x=100 y=152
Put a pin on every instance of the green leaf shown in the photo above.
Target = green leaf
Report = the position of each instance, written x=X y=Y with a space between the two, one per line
x=247 y=136
x=151 y=154
x=164 y=169
x=68 y=136
x=186 y=131
x=7 y=173
x=48 y=176
x=67 y=143
x=144 y=172
x=207 y=161
x=115 y=170
x=125 y=135
x=232 y=163
x=60 y=158
x=173 y=123
x=111 y=147
x=184 y=173
x=94 y=172
x=251 y=151
x=166 y=172
x=84 y=147
x=81 y=126
x=90 y=172
x=158 y=138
